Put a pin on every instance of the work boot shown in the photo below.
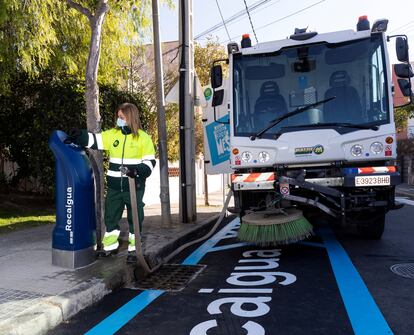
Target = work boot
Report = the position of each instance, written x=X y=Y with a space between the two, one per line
x=110 y=240
x=131 y=245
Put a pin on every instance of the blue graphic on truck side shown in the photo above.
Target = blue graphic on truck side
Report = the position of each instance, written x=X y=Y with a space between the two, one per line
x=218 y=137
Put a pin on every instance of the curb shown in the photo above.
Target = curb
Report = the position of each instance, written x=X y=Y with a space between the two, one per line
x=47 y=313
x=405 y=193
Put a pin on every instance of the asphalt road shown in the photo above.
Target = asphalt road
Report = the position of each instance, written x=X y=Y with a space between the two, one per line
x=334 y=284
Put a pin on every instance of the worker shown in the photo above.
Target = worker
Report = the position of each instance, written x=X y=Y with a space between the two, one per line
x=128 y=147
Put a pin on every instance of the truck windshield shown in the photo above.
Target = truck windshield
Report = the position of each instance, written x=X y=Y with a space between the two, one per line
x=267 y=86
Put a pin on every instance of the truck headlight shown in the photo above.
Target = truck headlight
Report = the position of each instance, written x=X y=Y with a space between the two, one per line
x=264 y=156
x=356 y=150
x=246 y=156
x=376 y=148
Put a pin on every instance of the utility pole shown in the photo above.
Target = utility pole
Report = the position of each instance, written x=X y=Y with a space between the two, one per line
x=187 y=139
x=162 y=128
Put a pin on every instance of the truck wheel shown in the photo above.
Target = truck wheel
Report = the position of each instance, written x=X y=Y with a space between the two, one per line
x=371 y=225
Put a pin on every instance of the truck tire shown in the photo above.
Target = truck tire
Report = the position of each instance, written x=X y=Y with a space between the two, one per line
x=371 y=225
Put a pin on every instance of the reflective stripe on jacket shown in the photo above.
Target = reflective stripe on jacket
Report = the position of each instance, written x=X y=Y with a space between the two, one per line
x=124 y=150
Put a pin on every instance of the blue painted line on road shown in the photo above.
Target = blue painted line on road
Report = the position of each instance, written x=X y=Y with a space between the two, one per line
x=124 y=314
x=312 y=244
x=229 y=246
x=364 y=314
x=202 y=250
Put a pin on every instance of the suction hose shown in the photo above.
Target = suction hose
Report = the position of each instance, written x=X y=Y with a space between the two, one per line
x=140 y=257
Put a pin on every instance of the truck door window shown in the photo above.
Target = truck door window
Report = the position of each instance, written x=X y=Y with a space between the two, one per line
x=378 y=92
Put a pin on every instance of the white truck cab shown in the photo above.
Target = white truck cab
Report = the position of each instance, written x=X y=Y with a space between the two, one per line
x=311 y=123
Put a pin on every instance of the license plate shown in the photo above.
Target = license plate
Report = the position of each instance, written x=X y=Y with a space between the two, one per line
x=372 y=181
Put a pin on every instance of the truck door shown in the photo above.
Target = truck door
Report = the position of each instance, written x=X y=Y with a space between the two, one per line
x=216 y=134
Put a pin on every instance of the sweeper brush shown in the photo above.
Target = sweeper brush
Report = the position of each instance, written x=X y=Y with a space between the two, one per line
x=275 y=228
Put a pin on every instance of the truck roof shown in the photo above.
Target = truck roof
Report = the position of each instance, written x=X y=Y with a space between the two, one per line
x=332 y=37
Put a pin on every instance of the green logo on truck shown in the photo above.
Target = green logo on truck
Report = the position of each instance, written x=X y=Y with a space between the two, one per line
x=304 y=151
x=318 y=149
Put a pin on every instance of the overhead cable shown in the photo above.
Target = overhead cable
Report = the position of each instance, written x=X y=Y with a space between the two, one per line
x=292 y=14
x=233 y=18
x=253 y=9
x=403 y=26
x=251 y=22
x=222 y=19
x=289 y=15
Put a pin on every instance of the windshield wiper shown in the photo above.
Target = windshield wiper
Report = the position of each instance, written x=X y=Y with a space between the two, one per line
x=287 y=115
x=334 y=124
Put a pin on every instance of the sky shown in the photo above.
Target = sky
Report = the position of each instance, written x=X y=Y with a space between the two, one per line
x=270 y=23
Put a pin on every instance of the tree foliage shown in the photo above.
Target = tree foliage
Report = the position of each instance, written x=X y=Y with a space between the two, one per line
x=43 y=56
x=38 y=35
x=38 y=106
x=402 y=114
x=204 y=56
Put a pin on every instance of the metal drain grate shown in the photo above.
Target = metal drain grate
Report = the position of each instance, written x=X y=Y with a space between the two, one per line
x=405 y=270
x=170 y=277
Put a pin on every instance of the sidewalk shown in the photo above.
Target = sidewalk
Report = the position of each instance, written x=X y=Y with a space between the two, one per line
x=405 y=190
x=36 y=296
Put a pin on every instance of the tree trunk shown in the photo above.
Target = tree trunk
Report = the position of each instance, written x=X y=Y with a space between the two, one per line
x=93 y=117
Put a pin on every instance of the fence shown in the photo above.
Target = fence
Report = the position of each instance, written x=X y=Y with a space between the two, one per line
x=152 y=189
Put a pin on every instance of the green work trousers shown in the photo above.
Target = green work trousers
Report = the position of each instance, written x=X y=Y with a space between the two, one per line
x=114 y=206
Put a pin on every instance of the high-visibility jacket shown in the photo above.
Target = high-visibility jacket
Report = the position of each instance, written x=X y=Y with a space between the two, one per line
x=124 y=150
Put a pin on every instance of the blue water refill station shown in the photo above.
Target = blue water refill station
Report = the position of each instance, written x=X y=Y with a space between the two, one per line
x=74 y=235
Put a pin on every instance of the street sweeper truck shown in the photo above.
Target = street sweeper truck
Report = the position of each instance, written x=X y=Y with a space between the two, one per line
x=305 y=125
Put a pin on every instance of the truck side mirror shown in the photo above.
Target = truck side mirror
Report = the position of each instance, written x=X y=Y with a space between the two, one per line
x=218 y=97
x=405 y=87
x=403 y=70
x=401 y=48
x=216 y=76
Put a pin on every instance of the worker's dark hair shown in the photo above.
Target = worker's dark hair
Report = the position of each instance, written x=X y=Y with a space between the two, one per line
x=131 y=113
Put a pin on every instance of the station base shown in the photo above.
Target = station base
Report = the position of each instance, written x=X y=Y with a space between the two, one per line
x=73 y=259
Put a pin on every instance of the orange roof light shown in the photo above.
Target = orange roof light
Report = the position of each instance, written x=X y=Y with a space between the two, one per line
x=245 y=36
x=363 y=17
x=235 y=151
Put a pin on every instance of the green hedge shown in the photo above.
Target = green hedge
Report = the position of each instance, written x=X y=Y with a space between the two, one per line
x=35 y=108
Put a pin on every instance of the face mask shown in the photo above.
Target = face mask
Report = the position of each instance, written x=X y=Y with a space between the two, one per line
x=120 y=123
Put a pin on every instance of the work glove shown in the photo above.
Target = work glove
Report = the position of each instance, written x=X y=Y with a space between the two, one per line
x=73 y=134
x=132 y=173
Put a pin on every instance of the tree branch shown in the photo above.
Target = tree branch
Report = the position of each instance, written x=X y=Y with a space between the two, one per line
x=80 y=9
x=103 y=7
